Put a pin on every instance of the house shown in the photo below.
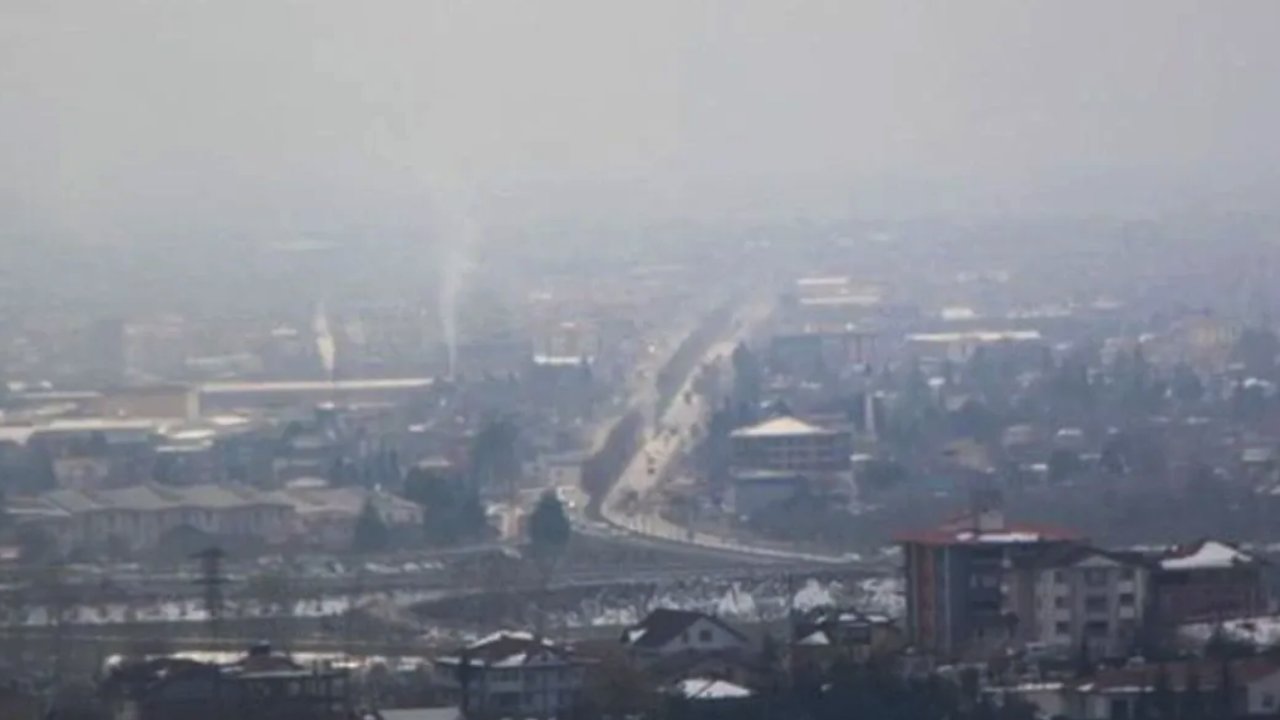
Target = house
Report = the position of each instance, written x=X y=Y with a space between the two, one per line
x=1209 y=580
x=512 y=674
x=1189 y=688
x=826 y=636
x=1074 y=596
x=260 y=686
x=666 y=632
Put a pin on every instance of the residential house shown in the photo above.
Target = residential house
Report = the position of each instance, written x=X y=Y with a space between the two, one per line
x=827 y=636
x=666 y=632
x=512 y=674
x=261 y=686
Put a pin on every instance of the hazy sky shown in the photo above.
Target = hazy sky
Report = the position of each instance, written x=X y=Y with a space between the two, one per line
x=126 y=117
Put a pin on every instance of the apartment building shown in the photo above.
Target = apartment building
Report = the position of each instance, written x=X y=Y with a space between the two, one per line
x=791 y=445
x=1074 y=597
x=956 y=581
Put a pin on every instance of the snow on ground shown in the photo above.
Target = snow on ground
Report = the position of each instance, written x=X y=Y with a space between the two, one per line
x=1262 y=631
x=812 y=596
x=193 y=610
x=765 y=599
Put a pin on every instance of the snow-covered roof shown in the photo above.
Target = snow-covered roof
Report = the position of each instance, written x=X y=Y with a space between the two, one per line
x=783 y=426
x=999 y=537
x=1209 y=555
x=711 y=689
x=817 y=638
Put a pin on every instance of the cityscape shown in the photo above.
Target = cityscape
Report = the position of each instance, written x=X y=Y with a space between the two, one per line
x=637 y=372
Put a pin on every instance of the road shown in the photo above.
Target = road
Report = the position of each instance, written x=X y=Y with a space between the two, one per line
x=630 y=504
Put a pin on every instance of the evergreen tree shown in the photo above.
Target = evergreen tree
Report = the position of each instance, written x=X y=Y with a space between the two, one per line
x=371 y=533
x=549 y=527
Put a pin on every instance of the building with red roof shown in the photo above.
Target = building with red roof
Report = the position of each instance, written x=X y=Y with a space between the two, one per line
x=956 y=580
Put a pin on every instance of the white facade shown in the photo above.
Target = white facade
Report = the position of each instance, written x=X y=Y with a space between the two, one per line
x=539 y=683
x=702 y=635
x=1097 y=602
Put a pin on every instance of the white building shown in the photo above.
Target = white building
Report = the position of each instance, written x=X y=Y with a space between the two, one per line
x=665 y=632
x=790 y=444
x=512 y=674
x=1075 y=597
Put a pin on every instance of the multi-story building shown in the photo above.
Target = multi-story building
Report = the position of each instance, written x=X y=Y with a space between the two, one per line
x=790 y=444
x=956 y=581
x=512 y=674
x=1208 y=581
x=1076 y=598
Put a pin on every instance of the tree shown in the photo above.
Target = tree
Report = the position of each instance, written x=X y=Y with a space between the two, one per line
x=494 y=455
x=371 y=533
x=549 y=527
x=452 y=508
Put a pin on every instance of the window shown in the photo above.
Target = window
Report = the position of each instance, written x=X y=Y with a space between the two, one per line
x=1097 y=628
x=1268 y=701
x=1059 y=576
x=1060 y=602
x=1062 y=628
x=1095 y=577
x=1095 y=604
x=1119 y=709
x=1126 y=599
x=1128 y=574
x=704 y=636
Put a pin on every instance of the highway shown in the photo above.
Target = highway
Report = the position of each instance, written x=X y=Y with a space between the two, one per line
x=630 y=505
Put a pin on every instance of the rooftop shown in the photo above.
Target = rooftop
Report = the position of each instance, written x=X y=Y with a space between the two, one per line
x=507 y=649
x=305 y=386
x=711 y=689
x=784 y=426
x=967 y=530
x=1206 y=555
x=665 y=624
